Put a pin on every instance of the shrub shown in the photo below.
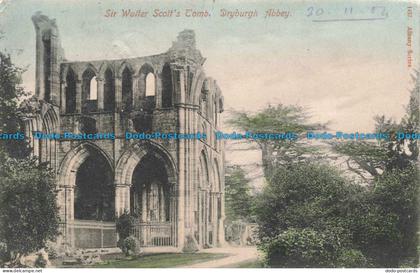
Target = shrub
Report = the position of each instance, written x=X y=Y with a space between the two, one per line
x=28 y=207
x=40 y=261
x=4 y=254
x=301 y=248
x=352 y=258
x=124 y=225
x=130 y=246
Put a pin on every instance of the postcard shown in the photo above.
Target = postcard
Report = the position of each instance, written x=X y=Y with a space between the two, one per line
x=209 y=134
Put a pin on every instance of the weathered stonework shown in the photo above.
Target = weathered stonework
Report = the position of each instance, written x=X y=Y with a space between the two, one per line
x=183 y=202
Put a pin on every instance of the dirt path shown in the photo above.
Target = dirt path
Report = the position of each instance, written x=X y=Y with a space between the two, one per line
x=237 y=255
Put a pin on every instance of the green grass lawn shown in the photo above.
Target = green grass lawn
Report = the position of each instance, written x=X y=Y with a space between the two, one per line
x=161 y=260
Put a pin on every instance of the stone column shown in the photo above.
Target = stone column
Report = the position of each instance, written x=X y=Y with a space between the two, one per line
x=221 y=231
x=39 y=71
x=135 y=92
x=158 y=90
x=118 y=94
x=78 y=96
x=181 y=178
x=122 y=198
x=63 y=90
x=100 y=90
x=68 y=204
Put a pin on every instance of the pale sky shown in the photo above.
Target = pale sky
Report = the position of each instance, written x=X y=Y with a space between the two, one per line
x=345 y=72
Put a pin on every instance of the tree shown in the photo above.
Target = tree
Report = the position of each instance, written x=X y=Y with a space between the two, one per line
x=28 y=208
x=385 y=155
x=10 y=95
x=390 y=230
x=238 y=199
x=279 y=119
x=305 y=215
x=305 y=195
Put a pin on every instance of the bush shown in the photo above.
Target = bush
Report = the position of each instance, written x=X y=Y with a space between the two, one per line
x=321 y=199
x=124 y=225
x=130 y=246
x=28 y=207
x=301 y=248
x=52 y=250
x=4 y=254
x=40 y=261
x=352 y=258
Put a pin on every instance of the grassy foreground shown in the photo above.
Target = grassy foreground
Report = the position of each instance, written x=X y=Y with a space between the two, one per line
x=161 y=260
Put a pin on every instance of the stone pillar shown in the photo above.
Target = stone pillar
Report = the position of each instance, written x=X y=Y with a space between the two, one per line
x=181 y=178
x=158 y=90
x=122 y=198
x=100 y=90
x=136 y=93
x=39 y=70
x=78 y=96
x=69 y=203
x=63 y=88
x=118 y=94
x=144 y=212
x=221 y=231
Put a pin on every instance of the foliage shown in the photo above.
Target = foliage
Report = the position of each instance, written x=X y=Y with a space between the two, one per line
x=309 y=248
x=391 y=233
x=125 y=223
x=28 y=208
x=386 y=230
x=10 y=94
x=40 y=261
x=238 y=198
x=384 y=155
x=4 y=254
x=319 y=199
x=351 y=258
x=276 y=119
x=130 y=246
x=380 y=223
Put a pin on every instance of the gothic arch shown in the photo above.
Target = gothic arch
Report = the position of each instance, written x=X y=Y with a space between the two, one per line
x=123 y=66
x=205 y=176
x=86 y=67
x=131 y=158
x=167 y=90
x=144 y=72
x=217 y=179
x=109 y=88
x=70 y=90
x=127 y=88
x=104 y=66
x=196 y=87
x=75 y=158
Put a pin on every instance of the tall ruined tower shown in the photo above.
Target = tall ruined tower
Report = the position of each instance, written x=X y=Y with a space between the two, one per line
x=49 y=55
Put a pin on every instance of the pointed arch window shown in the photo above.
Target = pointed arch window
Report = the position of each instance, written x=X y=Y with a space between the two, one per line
x=166 y=86
x=127 y=89
x=89 y=91
x=109 y=90
x=70 y=91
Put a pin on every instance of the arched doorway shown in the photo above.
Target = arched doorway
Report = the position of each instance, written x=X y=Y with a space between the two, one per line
x=87 y=198
x=150 y=191
x=149 y=174
x=94 y=192
x=204 y=204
